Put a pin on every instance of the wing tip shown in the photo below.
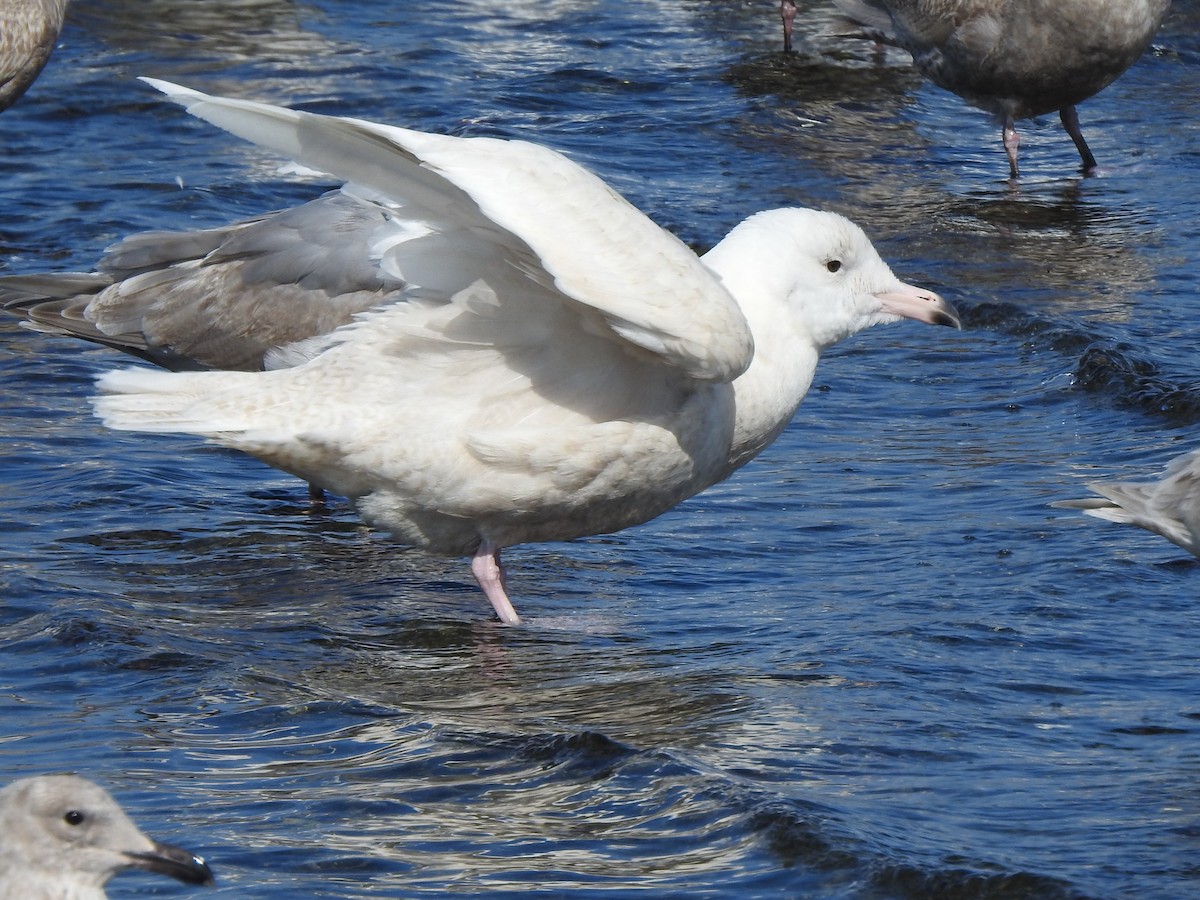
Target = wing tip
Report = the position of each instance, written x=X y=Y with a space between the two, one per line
x=176 y=92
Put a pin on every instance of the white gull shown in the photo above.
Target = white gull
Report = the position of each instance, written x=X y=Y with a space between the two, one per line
x=541 y=361
x=63 y=837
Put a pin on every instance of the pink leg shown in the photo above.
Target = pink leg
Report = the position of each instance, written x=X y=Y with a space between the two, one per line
x=787 y=12
x=1012 y=141
x=489 y=572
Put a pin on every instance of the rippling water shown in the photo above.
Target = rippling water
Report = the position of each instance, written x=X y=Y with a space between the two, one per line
x=872 y=665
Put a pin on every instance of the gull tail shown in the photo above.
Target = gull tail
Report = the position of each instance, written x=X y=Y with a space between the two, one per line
x=237 y=410
x=204 y=403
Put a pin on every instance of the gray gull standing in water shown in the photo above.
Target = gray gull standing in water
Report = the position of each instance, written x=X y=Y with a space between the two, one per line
x=539 y=361
x=63 y=837
x=1169 y=506
x=28 y=32
x=1016 y=58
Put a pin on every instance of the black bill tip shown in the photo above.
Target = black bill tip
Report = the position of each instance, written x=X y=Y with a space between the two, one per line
x=180 y=864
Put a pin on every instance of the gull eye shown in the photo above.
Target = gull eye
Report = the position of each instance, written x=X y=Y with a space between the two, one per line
x=833 y=265
x=73 y=817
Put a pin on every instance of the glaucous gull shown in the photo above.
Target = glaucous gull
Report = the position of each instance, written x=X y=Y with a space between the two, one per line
x=63 y=837
x=1169 y=506
x=28 y=32
x=1016 y=58
x=538 y=361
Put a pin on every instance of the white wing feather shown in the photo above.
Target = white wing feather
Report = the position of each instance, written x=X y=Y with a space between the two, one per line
x=534 y=208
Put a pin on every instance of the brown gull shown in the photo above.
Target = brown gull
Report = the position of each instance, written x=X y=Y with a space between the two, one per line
x=1016 y=58
x=1169 y=507
x=539 y=361
x=28 y=32
x=63 y=837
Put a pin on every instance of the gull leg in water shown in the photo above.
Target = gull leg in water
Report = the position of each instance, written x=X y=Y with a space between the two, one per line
x=787 y=12
x=489 y=572
x=1070 y=120
x=1012 y=143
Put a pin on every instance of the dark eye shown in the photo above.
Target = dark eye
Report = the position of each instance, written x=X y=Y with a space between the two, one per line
x=834 y=265
x=73 y=817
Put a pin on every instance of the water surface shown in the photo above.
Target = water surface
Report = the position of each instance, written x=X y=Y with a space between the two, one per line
x=872 y=665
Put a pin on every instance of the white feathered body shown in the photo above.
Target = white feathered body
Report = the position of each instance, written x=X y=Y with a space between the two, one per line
x=505 y=415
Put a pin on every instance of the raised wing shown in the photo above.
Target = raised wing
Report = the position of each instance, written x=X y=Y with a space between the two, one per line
x=461 y=204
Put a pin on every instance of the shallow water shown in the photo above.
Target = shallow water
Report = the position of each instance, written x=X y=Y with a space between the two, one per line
x=872 y=665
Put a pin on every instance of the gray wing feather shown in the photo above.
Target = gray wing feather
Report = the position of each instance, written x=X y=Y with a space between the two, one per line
x=221 y=298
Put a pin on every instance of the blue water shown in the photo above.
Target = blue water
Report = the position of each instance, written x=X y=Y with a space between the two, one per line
x=872 y=665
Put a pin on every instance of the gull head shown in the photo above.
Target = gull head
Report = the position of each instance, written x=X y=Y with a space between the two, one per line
x=820 y=271
x=66 y=831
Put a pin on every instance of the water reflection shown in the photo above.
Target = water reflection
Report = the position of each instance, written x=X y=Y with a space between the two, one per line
x=231 y=30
